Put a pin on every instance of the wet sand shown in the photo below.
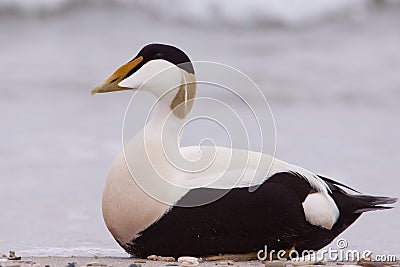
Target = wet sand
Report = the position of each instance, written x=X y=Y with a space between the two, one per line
x=106 y=261
x=126 y=262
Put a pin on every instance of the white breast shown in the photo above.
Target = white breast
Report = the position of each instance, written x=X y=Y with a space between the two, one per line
x=127 y=209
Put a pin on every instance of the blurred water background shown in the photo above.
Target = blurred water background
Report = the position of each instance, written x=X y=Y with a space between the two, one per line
x=329 y=69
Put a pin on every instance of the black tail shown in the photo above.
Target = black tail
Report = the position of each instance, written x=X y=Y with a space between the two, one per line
x=373 y=203
x=350 y=204
x=357 y=203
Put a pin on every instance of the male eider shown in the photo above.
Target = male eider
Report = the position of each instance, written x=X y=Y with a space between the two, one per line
x=291 y=208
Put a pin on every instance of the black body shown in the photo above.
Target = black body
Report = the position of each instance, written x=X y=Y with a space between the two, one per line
x=243 y=222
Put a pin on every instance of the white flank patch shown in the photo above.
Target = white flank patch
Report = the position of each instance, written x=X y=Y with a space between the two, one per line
x=321 y=210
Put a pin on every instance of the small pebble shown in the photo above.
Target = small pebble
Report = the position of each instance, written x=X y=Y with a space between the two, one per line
x=152 y=257
x=135 y=265
x=224 y=263
x=72 y=264
x=12 y=265
x=47 y=266
x=13 y=257
x=95 y=263
x=301 y=263
x=188 y=261
x=275 y=263
x=160 y=258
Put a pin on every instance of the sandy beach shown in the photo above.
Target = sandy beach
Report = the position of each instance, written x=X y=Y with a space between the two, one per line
x=131 y=262
x=104 y=261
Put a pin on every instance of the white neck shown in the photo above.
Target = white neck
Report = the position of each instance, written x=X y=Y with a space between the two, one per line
x=163 y=122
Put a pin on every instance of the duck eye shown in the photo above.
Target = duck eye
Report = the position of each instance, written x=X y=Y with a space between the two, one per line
x=158 y=56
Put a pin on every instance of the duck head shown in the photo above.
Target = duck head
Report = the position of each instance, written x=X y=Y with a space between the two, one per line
x=161 y=70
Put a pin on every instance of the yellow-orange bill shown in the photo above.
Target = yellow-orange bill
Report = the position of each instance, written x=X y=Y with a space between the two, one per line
x=111 y=84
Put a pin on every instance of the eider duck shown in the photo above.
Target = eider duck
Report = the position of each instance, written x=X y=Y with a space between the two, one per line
x=147 y=201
